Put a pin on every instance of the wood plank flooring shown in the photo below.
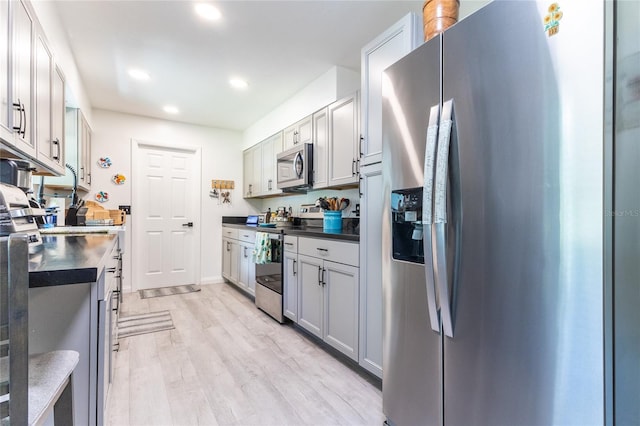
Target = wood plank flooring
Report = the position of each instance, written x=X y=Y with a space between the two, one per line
x=227 y=363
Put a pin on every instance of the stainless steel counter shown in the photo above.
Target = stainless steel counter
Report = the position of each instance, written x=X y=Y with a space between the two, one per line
x=69 y=259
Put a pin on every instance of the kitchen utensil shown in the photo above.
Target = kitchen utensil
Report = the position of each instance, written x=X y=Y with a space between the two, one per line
x=344 y=203
x=323 y=203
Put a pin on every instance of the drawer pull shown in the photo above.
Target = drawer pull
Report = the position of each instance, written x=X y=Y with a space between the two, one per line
x=112 y=270
x=288 y=244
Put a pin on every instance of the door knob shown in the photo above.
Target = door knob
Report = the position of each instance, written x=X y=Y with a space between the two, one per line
x=188 y=224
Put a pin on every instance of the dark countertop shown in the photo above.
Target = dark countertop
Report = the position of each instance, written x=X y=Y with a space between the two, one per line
x=69 y=259
x=347 y=234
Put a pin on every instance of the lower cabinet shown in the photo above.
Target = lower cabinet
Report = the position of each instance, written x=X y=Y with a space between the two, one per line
x=328 y=293
x=230 y=259
x=290 y=284
x=238 y=264
x=247 y=273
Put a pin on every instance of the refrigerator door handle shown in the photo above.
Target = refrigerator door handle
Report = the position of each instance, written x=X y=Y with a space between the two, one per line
x=427 y=215
x=440 y=216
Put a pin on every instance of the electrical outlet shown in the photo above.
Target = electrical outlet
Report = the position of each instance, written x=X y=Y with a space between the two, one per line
x=127 y=209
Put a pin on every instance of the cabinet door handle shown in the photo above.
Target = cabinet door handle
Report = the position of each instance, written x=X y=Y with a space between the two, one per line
x=353 y=167
x=89 y=178
x=24 y=111
x=360 y=146
x=56 y=143
x=18 y=106
x=111 y=270
x=244 y=250
x=269 y=184
x=319 y=275
x=323 y=282
x=82 y=172
x=295 y=268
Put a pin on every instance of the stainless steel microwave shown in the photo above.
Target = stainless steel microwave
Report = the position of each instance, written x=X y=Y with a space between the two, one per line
x=295 y=168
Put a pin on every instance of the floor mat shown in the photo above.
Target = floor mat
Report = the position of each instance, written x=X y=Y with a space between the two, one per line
x=132 y=325
x=168 y=291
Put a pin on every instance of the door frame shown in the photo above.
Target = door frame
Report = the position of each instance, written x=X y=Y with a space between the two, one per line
x=137 y=145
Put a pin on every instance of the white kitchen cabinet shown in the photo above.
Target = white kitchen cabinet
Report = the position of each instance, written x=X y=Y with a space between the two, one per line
x=77 y=148
x=49 y=148
x=310 y=295
x=247 y=266
x=260 y=170
x=300 y=132
x=371 y=205
x=341 y=288
x=238 y=264
x=57 y=121
x=6 y=133
x=397 y=41
x=328 y=292
x=270 y=148
x=84 y=156
x=230 y=259
x=22 y=88
x=250 y=184
x=290 y=285
x=320 y=121
x=344 y=139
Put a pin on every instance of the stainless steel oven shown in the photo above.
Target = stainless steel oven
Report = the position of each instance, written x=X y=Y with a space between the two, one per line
x=269 y=279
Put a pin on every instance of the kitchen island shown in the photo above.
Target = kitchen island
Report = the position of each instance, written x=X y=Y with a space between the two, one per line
x=71 y=286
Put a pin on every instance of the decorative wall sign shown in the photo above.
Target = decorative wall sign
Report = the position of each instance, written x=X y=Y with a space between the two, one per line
x=552 y=20
x=102 y=196
x=222 y=184
x=118 y=179
x=104 y=162
x=226 y=197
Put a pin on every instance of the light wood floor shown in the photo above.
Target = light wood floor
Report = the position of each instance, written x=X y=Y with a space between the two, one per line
x=227 y=363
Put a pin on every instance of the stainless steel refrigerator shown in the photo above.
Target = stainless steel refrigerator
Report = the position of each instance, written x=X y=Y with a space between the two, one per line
x=493 y=231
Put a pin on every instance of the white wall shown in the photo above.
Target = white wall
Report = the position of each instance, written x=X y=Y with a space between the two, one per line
x=221 y=159
x=334 y=84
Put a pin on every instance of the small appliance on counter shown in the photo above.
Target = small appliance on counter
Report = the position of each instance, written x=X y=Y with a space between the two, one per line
x=16 y=215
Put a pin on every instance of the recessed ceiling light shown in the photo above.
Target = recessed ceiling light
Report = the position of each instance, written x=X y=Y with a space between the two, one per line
x=208 y=11
x=238 y=83
x=170 y=109
x=139 y=74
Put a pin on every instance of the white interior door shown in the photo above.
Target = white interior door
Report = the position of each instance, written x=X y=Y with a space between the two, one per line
x=166 y=215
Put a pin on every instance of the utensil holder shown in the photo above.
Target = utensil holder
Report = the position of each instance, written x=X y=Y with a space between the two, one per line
x=332 y=221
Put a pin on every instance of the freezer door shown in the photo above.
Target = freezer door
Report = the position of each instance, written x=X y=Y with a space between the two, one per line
x=527 y=303
x=411 y=350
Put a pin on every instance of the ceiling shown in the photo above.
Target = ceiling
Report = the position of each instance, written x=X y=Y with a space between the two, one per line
x=277 y=46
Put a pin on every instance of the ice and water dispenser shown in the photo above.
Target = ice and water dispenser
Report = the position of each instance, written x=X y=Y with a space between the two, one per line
x=406 y=217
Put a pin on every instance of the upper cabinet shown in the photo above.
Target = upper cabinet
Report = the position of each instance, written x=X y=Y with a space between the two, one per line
x=77 y=151
x=22 y=57
x=6 y=132
x=300 y=132
x=49 y=95
x=259 y=166
x=270 y=148
x=320 y=148
x=400 y=39
x=344 y=138
x=31 y=91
